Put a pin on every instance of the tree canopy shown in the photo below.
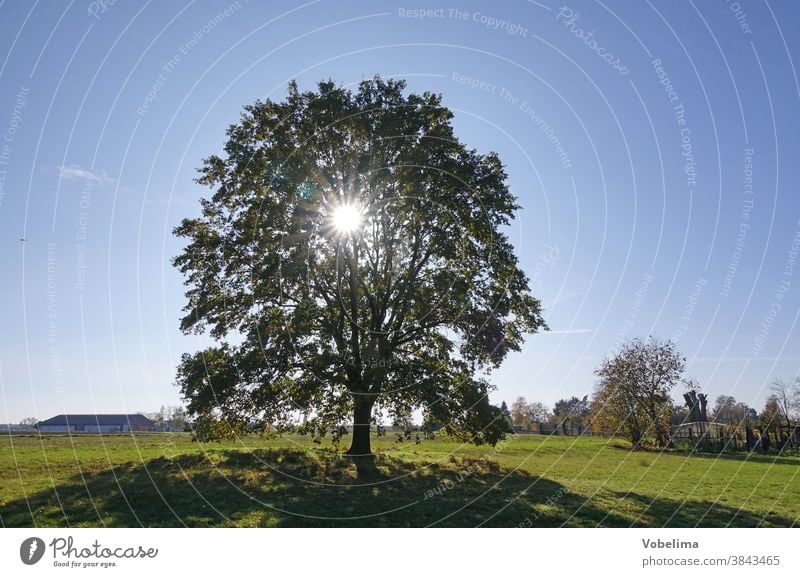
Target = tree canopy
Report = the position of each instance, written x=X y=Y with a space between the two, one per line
x=571 y=413
x=528 y=416
x=633 y=396
x=352 y=261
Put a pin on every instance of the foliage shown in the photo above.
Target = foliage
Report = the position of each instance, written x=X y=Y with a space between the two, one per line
x=770 y=416
x=528 y=416
x=601 y=419
x=506 y=413
x=633 y=395
x=177 y=419
x=571 y=414
x=431 y=424
x=786 y=395
x=678 y=416
x=401 y=313
x=730 y=412
x=172 y=418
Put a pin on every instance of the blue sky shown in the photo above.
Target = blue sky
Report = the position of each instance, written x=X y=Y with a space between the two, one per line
x=652 y=146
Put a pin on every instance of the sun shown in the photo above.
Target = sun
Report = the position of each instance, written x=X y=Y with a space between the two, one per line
x=346 y=218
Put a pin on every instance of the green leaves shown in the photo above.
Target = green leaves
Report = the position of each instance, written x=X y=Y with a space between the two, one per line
x=633 y=395
x=404 y=309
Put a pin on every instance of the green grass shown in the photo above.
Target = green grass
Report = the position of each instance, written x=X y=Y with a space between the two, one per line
x=529 y=480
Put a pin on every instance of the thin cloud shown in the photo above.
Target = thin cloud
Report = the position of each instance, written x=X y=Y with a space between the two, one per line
x=571 y=332
x=743 y=359
x=73 y=172
x=564 y=297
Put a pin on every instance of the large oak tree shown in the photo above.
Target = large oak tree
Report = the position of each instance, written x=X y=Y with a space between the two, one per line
x=352 y=260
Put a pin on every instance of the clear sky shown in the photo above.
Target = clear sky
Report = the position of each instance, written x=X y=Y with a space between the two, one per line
x=653 y=147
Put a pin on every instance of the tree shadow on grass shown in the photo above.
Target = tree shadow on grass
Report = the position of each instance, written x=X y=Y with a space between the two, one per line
x=751 y=457
x=691 y=513
x=289 y=487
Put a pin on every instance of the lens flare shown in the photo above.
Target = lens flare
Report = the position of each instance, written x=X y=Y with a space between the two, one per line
x=346 y=218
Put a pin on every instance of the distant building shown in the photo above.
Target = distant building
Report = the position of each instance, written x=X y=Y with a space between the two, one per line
x=96 y=424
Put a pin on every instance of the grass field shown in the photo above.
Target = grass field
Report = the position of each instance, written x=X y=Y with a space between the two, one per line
x=529 y=480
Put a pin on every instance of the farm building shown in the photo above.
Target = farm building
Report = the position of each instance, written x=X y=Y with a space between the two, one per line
x=96 y=424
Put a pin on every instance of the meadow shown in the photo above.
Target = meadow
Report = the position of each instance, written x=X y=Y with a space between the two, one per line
x=157 y=480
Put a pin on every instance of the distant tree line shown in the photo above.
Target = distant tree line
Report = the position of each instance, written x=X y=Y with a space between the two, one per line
x=172 y=418
x=568 y=416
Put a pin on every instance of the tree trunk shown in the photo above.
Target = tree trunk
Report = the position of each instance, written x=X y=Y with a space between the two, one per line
x=661 y=437
x=362 y=415
x=751 y=440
